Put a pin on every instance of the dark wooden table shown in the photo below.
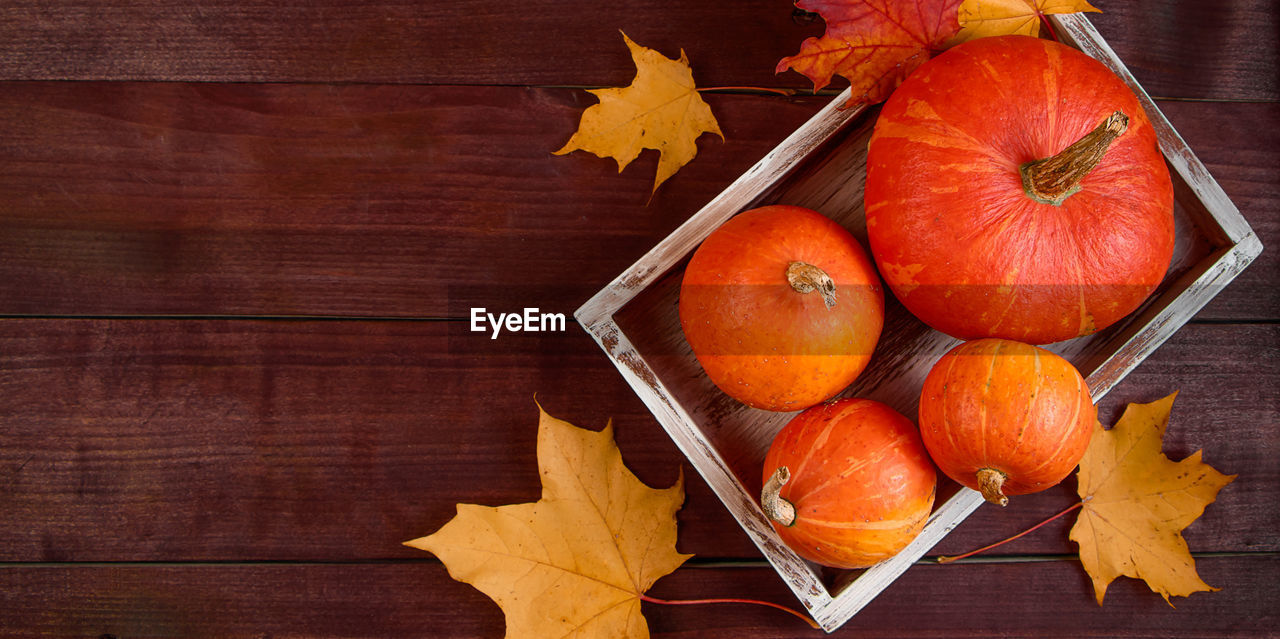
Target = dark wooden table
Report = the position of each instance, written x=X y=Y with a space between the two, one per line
x=239 y=241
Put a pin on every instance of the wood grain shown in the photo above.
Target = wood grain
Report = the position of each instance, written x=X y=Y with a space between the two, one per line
x=187 y=440
x=331 y=200
x=1050 y=599
x=234 y=440
x=1242 y=157
x=409 y=201
x=416 y=599
x=1195 y=50
x=1181 y=49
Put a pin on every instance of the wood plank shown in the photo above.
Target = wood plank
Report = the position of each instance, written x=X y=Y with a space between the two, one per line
x=415 y=599
x=410 y=201
x=242 y=601
x=1049 y=599
x=192 y=440
x=331 y=200
x=443 y=42
x=1242 y=156
x=1223 y=50
x=1196 y=50
x=189 y=440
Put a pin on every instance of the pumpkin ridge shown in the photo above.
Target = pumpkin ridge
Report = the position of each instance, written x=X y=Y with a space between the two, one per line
x=1011 y=283
x=881 y=524
x=1052 y=60
x=880 y=454
x=1066 y=433
x=1031 y=401
x=797 y=470
x=945 y=420
x=986 y=394
x=1012 y=302
x=946 y=136
x=1086 y=325
x=998 y=216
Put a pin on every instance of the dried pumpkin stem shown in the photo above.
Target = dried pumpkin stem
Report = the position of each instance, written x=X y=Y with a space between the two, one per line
x=990 y=482
x=807 y=278
x=1053 y=179
x=775 y=507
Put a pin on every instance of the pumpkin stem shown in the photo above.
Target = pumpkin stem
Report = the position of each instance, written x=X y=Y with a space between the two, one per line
x=1053 y=179
x=775 y=507
x=989 y=482
x=807 y=278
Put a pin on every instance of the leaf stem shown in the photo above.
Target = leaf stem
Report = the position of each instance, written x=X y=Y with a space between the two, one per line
x=1044 y=19
x=690 y=602
x=764 y=89
x=947 y=560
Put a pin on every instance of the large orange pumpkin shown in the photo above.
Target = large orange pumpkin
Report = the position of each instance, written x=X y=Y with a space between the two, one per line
x=848 y=483
x=1005 y=418
x=1015 y=189
x=782 y=307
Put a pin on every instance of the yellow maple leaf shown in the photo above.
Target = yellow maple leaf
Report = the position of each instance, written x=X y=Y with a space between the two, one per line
x=660 y=110
x=983 y=18
x=576 y=562
x=1137 y=502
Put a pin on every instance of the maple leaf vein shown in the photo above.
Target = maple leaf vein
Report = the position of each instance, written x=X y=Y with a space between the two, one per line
x=574 y=630
x=602 y=516
x=1139 y=544
x=1118 y=461
x=644 y=111
x=536 y=563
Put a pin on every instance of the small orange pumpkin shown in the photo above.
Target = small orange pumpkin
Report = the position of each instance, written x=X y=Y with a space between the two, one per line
x=848 y=483
x=1005 y=417
x=782 y=307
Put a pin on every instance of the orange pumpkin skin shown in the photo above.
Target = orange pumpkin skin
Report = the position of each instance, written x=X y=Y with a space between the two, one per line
x=861 y=484
x=758 y=338
x=952 y=228
x=1009 y=407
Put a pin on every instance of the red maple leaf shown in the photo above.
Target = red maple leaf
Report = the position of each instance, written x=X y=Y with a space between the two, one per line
x=875 y=44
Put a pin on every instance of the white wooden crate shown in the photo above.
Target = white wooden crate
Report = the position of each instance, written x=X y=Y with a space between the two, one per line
x=822 y=166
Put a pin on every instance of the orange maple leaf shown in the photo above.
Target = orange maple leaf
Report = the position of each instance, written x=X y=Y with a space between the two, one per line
x=983 y=18
x=1137 y=502
x=661 y=110
x=874 y=44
